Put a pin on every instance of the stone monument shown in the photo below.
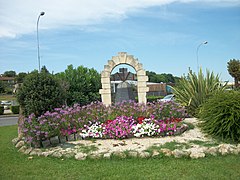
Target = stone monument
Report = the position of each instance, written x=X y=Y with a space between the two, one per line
x=123 y=58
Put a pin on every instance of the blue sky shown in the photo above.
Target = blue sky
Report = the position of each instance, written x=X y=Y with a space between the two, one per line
x=162 y=34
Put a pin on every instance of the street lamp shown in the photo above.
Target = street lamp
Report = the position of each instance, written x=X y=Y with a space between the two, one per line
x=205 y=42
x=41 y=14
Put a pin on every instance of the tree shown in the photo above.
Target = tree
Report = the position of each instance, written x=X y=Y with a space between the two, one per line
x=20 y=77
x=234 y=70
x=81 y=84
x=2 y=87
x=40 y=92
x=9 y=74
x=158 y=78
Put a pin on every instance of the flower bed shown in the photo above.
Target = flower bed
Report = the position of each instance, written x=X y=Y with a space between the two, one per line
x=119 y=121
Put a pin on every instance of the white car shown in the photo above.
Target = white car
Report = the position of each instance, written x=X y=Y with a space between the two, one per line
x=6 y=104
x=167 y=98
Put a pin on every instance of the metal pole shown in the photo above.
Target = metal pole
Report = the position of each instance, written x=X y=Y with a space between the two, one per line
x=205 y=42
x=41 y=14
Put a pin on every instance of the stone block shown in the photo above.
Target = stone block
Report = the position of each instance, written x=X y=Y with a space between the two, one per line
x=54 y=140
x=142 y=78
x=142 y=84
x=62 y=139
x=106 y=86
x=141 y=72
x=46 y=143
x=105 y=80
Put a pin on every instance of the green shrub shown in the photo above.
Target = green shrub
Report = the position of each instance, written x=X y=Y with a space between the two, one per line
x=15 y=109
x=80 y=84
x=40 y=92
x=194 y=89
x=220 y=116
x=1 y=110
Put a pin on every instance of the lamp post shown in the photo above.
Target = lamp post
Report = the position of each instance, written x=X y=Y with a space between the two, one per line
x=41 y=14
x=205 y=42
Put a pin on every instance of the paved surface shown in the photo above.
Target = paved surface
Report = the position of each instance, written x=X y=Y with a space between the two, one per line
x=8 y=120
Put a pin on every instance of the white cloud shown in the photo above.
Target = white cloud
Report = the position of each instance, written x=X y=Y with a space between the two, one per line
x=19 y=17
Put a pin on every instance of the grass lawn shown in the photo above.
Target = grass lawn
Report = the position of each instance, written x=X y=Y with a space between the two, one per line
x=14 y=165
x=7 y=97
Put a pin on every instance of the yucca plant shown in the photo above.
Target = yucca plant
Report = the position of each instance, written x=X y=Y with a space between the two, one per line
x=194 y=89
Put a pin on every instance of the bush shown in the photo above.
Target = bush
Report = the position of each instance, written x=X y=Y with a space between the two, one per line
x=80 y=84
x=1 y=110
x=15 y=109
x=193 y=90
x=220 y=116
x=40 y=92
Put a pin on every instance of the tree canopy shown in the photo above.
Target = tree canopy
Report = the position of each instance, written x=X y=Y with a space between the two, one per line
x=234 y=70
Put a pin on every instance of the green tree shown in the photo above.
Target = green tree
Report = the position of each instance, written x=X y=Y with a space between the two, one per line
x=234 y=70
x=194 y=89
x=2 y=87
x=158 y=78
x=9 y=74
x=40 y=92
x=20 y=77
x=81 y=84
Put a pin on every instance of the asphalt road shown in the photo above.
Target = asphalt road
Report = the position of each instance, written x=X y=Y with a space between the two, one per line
x=7 y=121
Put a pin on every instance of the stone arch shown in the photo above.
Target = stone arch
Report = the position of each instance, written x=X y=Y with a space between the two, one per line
x=123 y=58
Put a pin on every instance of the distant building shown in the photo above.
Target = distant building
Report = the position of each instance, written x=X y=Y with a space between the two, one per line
x=155 y=89
x=9 y=80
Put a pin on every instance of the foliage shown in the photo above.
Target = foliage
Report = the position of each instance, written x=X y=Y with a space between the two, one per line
x=193 y=90
x=9 y=73
x=1 y=110
x=2 y=87
x=15 y=109
x=81 y=84
x=20 y=77
x=157 y=78
x=220 y=116
x=97 y=120
x=153 y=98
x=15 y=165
x=39 y=93
x=234 y=70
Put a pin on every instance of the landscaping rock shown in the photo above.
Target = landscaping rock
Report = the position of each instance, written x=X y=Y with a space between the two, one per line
x=47 y=153
x=107 y=155
x=15 y=141
x=36 y=151
x=212 y=150
x=19 y=144
x=62 y=139
x=155 y=153
x=54 y=140
x=179 y=153
x=224 y=148
x=196 y=153
x=28 y=150
x=46 y=143
x=80 y=156
x=144 y=154
x=166 y=152
x=71 y=137
x=57 y=154
x=133 y=153
x=22 y=149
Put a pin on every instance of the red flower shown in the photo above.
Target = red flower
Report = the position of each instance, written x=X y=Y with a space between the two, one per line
x=108 y=121
x=140 y=119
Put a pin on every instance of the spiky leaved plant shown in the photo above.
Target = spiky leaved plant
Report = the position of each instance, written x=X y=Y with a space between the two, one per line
x=194 y=89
